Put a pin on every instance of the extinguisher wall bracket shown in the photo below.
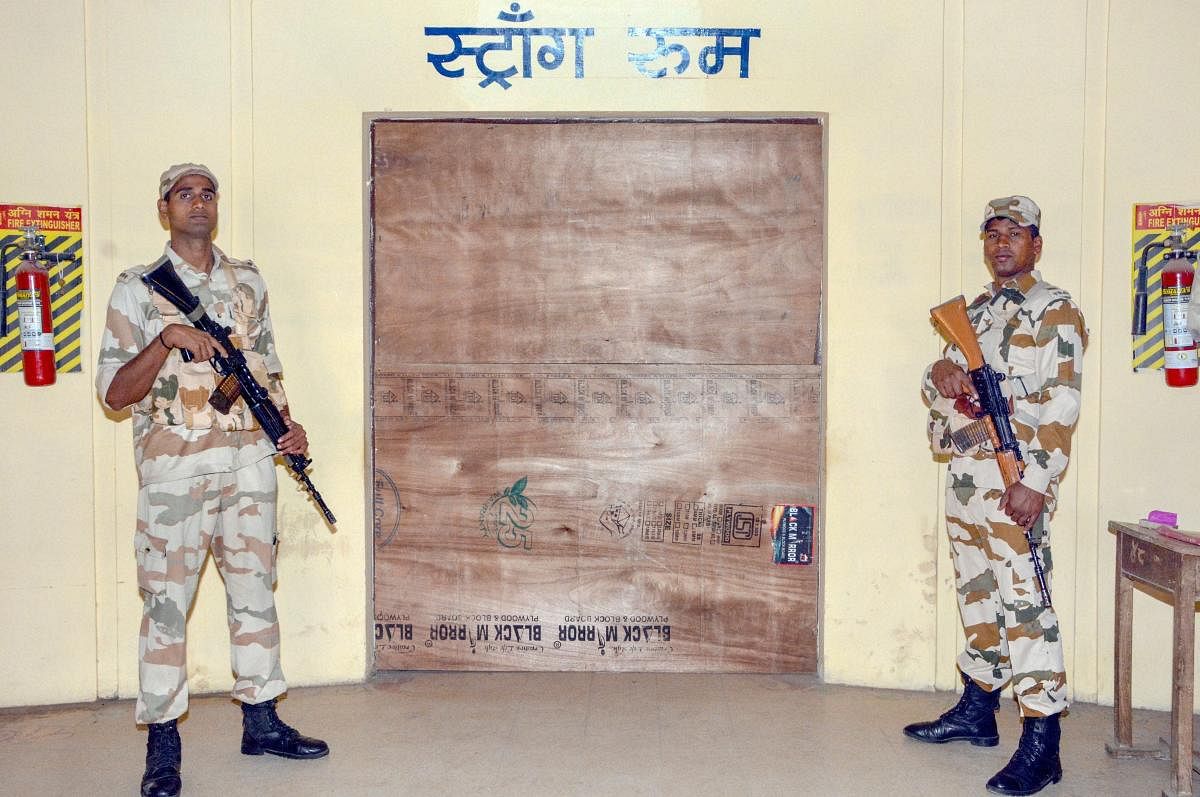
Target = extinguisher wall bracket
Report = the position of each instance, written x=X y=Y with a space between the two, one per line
x=4 y=287
x=1141 y=293
x=1175 y=243
x=53 y=259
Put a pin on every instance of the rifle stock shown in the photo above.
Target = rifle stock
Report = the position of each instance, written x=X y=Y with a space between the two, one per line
x=951 y=320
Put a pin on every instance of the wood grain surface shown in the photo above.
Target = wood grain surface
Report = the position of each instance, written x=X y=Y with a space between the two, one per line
x=596 y=367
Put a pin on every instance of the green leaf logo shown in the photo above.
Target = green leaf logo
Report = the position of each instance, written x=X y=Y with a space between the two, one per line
x=515 y=494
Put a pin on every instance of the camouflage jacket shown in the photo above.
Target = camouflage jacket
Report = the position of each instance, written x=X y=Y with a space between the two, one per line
x=1035 y=335
x=176 y=434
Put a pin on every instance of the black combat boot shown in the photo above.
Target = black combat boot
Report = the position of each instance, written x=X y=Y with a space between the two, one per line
x=1035 y=765
x=163 y=755
x=264 y=732
x=972 y=719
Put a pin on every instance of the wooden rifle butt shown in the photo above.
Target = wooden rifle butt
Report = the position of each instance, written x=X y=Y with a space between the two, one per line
x=951 y=320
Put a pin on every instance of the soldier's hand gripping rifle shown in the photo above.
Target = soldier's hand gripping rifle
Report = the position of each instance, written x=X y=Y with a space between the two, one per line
x=236 y=377
x=994 y=422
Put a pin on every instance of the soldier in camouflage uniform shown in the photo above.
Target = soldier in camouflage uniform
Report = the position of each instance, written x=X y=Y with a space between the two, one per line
x=1033 y=334
x=206 y=479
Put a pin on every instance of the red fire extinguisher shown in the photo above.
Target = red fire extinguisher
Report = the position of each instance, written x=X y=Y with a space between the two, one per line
x=32 y=291
x=1178 y=272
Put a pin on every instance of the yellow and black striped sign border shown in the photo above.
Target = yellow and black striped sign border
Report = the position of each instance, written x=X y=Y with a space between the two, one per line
x=66 y=302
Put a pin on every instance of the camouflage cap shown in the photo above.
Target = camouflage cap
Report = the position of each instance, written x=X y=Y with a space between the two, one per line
x=180 y=170
x=1020 y=209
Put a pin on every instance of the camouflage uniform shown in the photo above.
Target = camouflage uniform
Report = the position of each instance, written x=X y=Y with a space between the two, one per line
x=1035 y=335
x=207 y=481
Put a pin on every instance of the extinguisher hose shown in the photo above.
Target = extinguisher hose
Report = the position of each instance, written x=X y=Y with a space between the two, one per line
x=1139 y=294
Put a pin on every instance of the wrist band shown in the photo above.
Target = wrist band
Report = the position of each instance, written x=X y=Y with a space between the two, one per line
x=163 y=342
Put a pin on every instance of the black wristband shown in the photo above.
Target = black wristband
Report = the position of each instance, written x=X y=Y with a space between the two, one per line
x=163 y=342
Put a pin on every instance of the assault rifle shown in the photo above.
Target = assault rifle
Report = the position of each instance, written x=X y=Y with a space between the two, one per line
x=993 y=419
x=236 y=379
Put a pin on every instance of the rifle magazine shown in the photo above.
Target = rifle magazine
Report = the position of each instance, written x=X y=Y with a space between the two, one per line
x=225 y=394
x=971 y=436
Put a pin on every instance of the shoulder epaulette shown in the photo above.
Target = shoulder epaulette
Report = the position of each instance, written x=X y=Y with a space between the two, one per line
x=1041 y=296
x=132 y=274
x=247 y=264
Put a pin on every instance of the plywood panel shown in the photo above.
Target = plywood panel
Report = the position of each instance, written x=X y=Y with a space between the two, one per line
x=596 y=368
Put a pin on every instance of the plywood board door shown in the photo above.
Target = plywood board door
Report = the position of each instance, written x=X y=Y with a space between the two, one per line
x=596 y=366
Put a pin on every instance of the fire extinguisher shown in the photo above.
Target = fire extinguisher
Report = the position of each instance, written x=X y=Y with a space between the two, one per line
x=32 y=289
x=1178 y=272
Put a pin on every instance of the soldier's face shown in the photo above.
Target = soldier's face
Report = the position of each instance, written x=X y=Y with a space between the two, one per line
x=1009 y=249
x=191 y=206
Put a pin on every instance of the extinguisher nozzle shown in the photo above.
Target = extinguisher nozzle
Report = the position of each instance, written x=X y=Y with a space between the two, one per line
x=1139 y=314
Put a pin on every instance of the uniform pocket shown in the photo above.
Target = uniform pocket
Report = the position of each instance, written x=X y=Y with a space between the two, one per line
x=1024 y=385
x=1021 y=378
x=196 y=383
x=180 y=393
x=151 y=565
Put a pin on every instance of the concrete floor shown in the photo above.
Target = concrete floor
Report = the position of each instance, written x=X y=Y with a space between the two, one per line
x=566 y=734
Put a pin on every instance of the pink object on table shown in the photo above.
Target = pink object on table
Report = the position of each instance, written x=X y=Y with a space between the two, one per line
x=1163 y=518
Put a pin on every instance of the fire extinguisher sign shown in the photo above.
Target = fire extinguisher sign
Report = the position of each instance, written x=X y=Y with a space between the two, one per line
x=62 y=228
x=1154 y=225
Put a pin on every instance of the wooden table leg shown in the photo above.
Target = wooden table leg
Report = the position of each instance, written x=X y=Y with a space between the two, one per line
x=1182 y=697
x=1122 y=678
x=1122 y=744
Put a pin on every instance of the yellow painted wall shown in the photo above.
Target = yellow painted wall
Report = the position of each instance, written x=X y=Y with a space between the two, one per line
x=933 y=107
x=48 y=581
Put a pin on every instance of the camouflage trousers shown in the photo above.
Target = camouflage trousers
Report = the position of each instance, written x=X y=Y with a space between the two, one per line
x=233 y=515
x=1011 y=637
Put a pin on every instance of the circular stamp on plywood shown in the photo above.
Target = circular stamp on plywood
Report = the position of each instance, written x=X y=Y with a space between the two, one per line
x=386 y=509
x=508 y=516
